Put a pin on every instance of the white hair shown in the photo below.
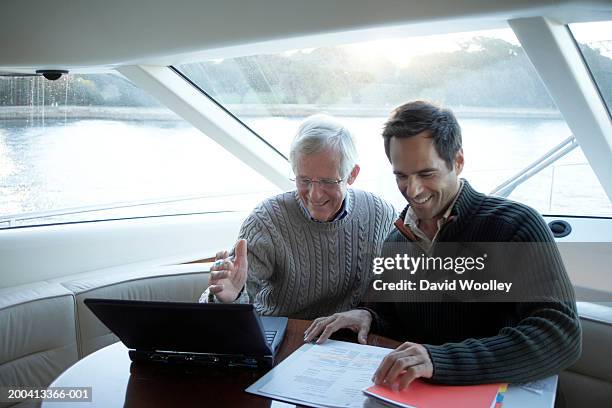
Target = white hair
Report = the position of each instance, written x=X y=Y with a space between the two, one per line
x=321 y=132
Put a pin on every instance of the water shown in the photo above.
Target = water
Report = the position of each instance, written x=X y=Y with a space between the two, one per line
x=90 y=162
x=495 y=149
x=71 y=162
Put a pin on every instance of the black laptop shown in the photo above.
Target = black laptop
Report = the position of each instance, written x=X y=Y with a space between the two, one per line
x=192 y=333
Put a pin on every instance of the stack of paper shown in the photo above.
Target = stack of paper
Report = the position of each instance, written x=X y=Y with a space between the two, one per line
x=339 y=375
x=329 y=375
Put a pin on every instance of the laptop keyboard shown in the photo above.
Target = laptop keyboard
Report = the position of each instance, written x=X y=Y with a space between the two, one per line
x=270 y=335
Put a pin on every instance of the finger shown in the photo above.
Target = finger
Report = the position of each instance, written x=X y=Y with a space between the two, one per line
x=228 y=263
x=383 y=368
x=241 y=254
x=362 y=336
x=224 y=272
x=219 y=264
x=215 y=288
x=212 y=280
x=401 y=364
x=404 y=346
x=221 y=255
x=308 y=329
x=218 y=275
x=317 y=327
x=312 y=326
x=406 y=379
x=329 y=330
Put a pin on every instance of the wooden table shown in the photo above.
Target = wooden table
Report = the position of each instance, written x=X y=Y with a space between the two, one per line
x=116 y=381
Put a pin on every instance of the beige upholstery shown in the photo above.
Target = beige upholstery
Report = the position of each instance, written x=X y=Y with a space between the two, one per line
x=46 y=327
x=589 y=382
x=578 y=390
x=38 y=336
x=595 y=338
x=164 y=283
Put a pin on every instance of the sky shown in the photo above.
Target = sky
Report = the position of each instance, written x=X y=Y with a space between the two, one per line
x=595 y=34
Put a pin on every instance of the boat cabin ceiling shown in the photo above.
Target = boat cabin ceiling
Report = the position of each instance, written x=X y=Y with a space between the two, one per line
x=75 y=35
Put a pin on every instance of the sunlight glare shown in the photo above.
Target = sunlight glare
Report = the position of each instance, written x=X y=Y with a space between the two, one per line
x=402 y=51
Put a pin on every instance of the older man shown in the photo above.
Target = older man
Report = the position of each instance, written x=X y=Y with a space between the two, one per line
x=530 y=335
x=309 y=250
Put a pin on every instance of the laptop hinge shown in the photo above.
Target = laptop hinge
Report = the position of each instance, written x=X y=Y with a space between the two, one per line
x=201 y=359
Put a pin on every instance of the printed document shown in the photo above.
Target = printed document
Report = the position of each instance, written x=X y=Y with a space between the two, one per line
x=332 y=374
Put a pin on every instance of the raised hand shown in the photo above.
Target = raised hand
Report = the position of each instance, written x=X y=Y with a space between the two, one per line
x=228 y=275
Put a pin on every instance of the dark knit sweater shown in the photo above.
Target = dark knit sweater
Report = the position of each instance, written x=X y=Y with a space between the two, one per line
x=484 y=342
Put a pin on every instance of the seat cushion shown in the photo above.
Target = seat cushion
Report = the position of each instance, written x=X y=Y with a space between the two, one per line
x=182 y=283
x=38 y=336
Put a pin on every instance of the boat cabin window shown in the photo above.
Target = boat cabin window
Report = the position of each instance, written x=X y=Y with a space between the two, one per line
x=94 y=146
x=516 y=141
x=595 y=42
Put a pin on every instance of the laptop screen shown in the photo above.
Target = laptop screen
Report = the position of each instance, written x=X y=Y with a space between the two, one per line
x=183 y=327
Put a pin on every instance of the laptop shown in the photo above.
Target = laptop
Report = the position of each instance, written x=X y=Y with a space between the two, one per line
x=192 y=333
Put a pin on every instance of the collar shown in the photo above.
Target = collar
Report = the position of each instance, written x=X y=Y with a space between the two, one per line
x=411 y=220
x=342 y=212
x=465 y=204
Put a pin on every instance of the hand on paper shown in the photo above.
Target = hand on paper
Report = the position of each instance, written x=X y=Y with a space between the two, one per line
x=227 y=277
x=404 y=364
x=357 y=320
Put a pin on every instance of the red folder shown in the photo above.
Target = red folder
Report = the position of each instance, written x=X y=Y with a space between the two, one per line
x=420 y=394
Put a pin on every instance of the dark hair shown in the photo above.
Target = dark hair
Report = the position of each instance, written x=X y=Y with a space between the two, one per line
x=416 y=117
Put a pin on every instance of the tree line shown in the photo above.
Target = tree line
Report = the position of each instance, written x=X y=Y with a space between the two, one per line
x=483 y=72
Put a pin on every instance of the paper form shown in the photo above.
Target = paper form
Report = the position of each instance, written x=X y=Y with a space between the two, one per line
x=539 y=386
x=535 y=394
x=329 y=375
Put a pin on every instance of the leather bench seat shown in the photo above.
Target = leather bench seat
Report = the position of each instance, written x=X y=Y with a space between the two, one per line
x=181 y=283
x=588 y=383
x=46 y=327
x=38 y=335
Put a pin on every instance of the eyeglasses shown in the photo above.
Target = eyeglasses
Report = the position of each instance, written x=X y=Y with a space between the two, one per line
x=304 y=183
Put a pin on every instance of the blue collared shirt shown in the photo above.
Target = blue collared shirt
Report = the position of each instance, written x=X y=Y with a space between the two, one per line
x=342 y=212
